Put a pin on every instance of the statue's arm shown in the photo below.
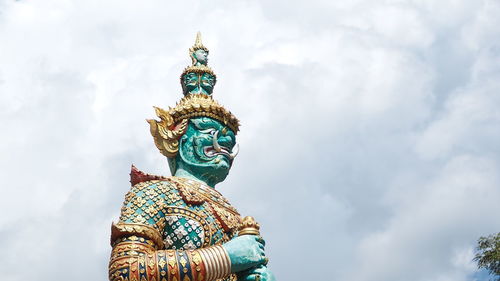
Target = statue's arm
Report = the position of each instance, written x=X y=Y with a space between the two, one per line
x=139 y=253
x=136 y=257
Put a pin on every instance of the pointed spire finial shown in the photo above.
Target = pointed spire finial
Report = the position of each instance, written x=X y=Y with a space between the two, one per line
x=197 y=42
x=198 y=45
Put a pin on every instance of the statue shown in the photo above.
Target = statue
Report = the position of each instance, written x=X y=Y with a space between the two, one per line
x=180 y=228
x=198 y=78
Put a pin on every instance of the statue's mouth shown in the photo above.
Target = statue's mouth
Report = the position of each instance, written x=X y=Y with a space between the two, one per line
x=217 y=149
x=210 y=151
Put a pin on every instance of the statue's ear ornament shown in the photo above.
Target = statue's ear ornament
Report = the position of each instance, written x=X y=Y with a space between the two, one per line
x=166 y=133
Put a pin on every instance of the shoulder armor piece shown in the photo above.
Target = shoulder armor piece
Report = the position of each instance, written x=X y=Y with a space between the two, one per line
x=137 y=176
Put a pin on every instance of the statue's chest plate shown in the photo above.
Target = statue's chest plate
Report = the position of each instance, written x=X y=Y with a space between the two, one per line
x=201 y=217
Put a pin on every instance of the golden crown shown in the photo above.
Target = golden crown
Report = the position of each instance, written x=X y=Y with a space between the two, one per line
x=198 y=69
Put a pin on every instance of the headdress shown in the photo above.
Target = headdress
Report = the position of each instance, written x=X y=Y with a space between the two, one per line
x=197 y=67
x=197 y=45
x=173 y=122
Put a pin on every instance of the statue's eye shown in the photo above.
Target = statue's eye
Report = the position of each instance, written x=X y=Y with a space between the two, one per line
x=210 y=131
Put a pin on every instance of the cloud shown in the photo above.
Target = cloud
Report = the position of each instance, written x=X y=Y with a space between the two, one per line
x=368 y=146
x=433 y=224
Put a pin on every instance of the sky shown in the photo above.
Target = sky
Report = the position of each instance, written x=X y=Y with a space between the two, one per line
x=368 y=146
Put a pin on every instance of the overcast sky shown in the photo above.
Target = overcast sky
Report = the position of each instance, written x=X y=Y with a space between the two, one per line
x=369 y=140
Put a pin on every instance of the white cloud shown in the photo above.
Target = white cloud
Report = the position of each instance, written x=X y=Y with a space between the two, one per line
x=432 y=222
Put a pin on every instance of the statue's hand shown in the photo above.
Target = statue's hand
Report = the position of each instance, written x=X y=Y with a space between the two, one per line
x=260 y=273
x=245 y=252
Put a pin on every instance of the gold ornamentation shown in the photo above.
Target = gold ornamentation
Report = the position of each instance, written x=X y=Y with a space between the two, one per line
x=207 y=261
x=131 y=248
x=198 y=269
x=196 y=193
x=191 y=195
x=129 y=196
x=195 y=105
x=162 y=262
x=183 y=261
x=138 y=207
x=196 y=259
x=166 y=133
x=118 y=263
x=228 y=219
x=249 y=227
x=203 y=193
x=127 y=212
x=139 y=219
x=200 y=69
x=122 y=229
x=216 y=261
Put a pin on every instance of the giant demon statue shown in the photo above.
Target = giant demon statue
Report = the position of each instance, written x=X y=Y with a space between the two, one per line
x=180 y=228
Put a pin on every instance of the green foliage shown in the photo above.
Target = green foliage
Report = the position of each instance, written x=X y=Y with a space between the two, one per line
x=488 y=254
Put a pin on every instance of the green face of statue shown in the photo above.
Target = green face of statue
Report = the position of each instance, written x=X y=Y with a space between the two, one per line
x=198 y=83
x=206 y=150
x=201 y=57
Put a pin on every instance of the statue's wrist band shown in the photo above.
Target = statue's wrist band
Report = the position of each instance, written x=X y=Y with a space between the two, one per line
x=217 y=262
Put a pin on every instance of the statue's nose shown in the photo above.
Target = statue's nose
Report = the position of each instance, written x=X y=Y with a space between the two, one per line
x=225 y=141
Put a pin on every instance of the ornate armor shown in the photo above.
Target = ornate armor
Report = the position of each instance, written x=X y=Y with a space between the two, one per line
x=162 y=224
